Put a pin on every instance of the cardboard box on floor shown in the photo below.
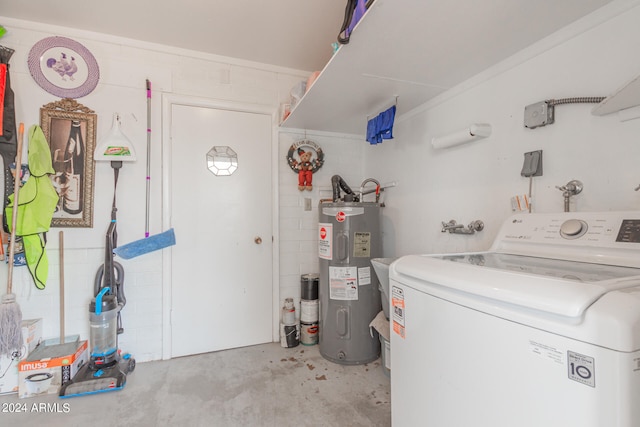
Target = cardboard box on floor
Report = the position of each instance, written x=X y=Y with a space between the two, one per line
x=47 y=368
x=31 y=337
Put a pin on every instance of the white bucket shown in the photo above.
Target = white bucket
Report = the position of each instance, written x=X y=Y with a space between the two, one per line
x=386 y=355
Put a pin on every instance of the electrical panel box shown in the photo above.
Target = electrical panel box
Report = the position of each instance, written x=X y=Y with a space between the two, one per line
x=538 y=114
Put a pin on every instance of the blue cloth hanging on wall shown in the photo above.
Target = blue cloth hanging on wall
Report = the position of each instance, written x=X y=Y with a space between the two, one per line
x=372 y=131
x=381 y=126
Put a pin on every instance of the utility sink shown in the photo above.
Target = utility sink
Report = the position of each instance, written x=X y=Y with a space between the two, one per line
x=381 y=267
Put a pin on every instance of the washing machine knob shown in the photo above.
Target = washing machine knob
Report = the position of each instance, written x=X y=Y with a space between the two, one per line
x=573 y=228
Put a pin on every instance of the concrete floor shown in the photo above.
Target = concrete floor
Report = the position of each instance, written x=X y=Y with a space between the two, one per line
x=263 y=385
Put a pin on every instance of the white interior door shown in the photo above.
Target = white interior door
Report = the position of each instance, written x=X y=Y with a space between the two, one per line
x=221 y=280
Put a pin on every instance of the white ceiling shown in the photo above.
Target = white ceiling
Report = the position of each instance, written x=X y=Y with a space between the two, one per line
x=288 y=33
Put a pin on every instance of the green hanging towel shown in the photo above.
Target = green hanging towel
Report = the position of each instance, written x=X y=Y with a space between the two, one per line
x=37 y=203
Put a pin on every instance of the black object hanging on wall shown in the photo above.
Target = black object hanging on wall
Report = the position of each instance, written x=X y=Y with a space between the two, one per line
x=8 y=139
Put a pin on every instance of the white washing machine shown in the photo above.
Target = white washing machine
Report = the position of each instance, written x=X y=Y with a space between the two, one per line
x=541 y=330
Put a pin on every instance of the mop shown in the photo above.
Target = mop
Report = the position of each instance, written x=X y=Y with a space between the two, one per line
x=144 y=246
x=148 y=198
x=149 y=243
x=10 y=313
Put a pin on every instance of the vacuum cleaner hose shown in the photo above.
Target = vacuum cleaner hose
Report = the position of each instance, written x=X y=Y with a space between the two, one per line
x=116 y=288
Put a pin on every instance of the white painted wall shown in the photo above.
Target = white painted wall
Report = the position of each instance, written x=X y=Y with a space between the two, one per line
x=476 y=181
x=124 y=66
x=343 y=155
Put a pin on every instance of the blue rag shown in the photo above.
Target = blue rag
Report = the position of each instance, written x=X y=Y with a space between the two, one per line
x=371 y=131
x=381 y=126
x=386 y=123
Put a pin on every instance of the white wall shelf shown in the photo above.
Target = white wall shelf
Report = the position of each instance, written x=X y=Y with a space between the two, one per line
x=625 y=97
x=415 y=50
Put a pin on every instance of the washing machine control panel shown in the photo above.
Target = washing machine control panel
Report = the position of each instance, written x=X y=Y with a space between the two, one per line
x=611 y=238
x=629 y=231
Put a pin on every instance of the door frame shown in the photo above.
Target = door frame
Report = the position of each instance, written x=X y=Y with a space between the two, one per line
x=168 y=100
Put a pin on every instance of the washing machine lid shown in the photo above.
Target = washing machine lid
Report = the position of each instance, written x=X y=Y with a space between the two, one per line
x=560 y=287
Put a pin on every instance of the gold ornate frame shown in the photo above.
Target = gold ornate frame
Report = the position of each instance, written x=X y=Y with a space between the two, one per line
x=56 y=119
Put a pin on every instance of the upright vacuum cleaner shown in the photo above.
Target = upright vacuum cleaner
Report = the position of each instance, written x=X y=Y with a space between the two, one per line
x=107 y=369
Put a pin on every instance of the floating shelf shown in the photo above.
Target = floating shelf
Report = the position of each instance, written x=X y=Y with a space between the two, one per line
x=627 y=96
x=415 y=50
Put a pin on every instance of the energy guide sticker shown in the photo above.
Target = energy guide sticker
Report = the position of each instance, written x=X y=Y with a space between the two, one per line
x=397 y=310
x=361 y=244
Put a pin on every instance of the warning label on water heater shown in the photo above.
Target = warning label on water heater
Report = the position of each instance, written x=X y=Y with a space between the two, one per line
x=343 y=283
x=325 y=236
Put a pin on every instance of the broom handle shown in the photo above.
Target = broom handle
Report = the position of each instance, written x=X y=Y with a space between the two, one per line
x=14 y=210
x=146 y=219
x=61 y=287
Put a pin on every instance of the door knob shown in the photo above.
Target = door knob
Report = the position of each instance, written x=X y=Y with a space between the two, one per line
x=258 y=240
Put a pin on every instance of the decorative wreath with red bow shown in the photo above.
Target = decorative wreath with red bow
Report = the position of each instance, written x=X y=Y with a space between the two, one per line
x=303 y=146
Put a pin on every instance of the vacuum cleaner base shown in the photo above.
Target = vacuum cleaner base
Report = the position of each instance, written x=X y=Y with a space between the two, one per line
x=92 y=381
